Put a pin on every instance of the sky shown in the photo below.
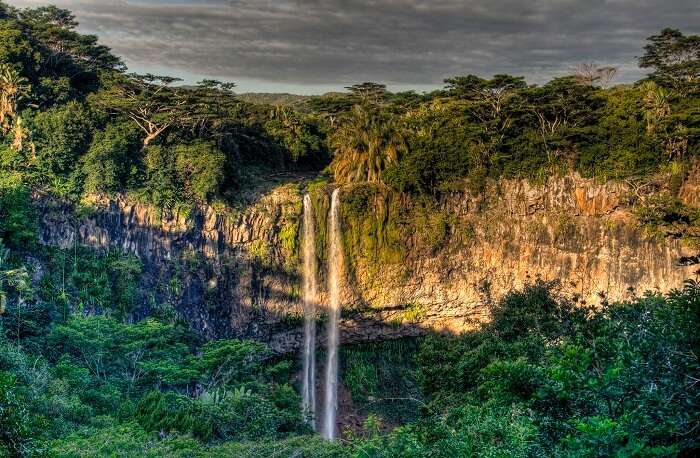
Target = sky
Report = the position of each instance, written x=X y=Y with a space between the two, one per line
x=314 y=46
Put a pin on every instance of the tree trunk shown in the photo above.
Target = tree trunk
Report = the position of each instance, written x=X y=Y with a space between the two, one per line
x=149 y=138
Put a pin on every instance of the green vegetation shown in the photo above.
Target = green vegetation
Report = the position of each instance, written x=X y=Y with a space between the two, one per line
x=17 y=216
x=662 y=215
x=548 y=377
x=480 y=128
x=382 y=380
x=74 y=122
x=72 y=368
x=365 y=144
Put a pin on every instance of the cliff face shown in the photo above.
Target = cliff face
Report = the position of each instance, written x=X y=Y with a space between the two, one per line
x=227 y=272
x=238 y=270
x=571 y=229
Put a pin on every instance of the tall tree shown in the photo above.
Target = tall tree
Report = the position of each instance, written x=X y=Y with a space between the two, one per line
x=591 y=74
x=13 y=87
x=486 y=101
x=560 y=106
x=148 y=100
x=65 y=50
x=154 y=105
x=493 y=92
x=7 y=11
x=369 y=92
x=365 y=144
x=674 y=59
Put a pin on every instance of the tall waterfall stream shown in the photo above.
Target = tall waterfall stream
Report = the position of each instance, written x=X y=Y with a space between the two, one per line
x=335 y=274
x=310 y=288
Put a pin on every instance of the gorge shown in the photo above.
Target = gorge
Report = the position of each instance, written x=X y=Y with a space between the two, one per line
x=577 y=230
x=487 y=268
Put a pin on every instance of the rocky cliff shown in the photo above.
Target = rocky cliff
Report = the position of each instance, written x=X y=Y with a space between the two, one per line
x=228 y=272
x=234 y=272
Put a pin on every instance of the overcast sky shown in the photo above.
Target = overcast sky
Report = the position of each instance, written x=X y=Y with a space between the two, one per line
x=311 y=46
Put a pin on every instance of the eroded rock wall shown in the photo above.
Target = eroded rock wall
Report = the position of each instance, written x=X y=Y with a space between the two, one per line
x=227 y=272
x=572 y=229
x=238 y=269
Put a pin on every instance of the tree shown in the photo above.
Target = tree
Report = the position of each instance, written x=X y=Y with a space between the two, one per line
x=191 y=171
x=660 y=125
x=4 y=275
x=440 y=146
x=50 y=16
x=656 y=105
x=618 y=144
x=17 y=428
x=369 y=92
x=591 y=74
x=145 y=99
x=17 y=217
x=62 y=135
x=331 y=106
x=674 y=59
x=13 y=87
x=297 y=134
x=560 y=106
x=15 y=46
x=67 y=51
x=213 y=106
x=155 y=106
x=491 y=107
x=161 y=185
x=15 y=279
x=493 y=92
x=229 y=361
x=7 y=11
x=111 y=158
x=365 y=144
x=200 y=167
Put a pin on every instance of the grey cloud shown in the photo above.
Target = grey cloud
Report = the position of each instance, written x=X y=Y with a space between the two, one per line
x=408 y=42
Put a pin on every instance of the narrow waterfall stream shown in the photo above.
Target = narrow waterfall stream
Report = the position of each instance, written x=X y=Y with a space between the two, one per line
x=310 y=289
x=335 y=272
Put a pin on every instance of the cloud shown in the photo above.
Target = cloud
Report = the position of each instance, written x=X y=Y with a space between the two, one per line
x=406 y=42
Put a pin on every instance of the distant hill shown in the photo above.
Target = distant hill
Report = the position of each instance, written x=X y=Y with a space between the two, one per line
x=292 y=100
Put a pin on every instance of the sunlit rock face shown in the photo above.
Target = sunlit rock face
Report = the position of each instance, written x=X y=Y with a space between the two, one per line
x=236 y=271
x=689 y=192
x=572 y=229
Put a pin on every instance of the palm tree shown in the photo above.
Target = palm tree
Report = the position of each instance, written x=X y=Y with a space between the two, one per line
x=364 y=145
x=656 y=105
x=13 y=87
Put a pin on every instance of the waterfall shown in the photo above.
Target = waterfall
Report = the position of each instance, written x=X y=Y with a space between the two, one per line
x=335 y=269
x=309 y=284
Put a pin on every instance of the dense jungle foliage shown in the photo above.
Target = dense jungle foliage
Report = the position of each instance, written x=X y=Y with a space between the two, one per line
x=546 y=377
x=74 y=122
x=81 y=376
